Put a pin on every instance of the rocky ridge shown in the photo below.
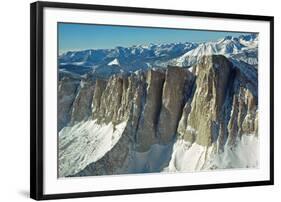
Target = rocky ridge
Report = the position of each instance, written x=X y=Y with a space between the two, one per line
x=212 y=105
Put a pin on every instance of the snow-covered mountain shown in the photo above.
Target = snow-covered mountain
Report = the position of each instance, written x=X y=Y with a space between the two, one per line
x=159 y=108
x=103 y=62
x=129 y=59
x=243 y=48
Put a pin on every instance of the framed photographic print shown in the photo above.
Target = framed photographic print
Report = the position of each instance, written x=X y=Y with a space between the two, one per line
x=136 y=100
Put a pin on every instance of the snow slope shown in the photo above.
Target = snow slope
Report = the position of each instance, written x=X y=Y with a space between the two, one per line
x=188 y=157
x=114 y=62
x=84 y=143
x=244 y=47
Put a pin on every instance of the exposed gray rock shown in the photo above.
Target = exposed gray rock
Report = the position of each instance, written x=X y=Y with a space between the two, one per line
x=99 y=88
x=177 y=81
x=183 y=131
x=244 y=115
x=81 y=107
x=206 y=106
x=119 y=98
x=67 y=89
x=111 y=100
x=146 y=134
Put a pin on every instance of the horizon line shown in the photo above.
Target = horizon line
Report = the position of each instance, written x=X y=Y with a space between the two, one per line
x=147 y=44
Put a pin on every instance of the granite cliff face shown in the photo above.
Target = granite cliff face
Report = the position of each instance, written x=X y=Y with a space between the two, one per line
x=67 y=90
x=205 y=113
x=210 y=105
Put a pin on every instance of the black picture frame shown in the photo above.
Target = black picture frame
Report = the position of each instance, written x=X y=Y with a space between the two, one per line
x=37 y=99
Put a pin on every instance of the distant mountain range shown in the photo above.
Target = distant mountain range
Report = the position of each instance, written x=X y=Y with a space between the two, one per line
x=106 y=62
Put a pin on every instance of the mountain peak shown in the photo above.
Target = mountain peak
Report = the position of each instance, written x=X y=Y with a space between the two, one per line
x=228 y=37
x=249 y=37
x=114 y=62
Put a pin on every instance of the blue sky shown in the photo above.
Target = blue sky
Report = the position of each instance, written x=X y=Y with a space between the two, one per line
x=90 y=36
